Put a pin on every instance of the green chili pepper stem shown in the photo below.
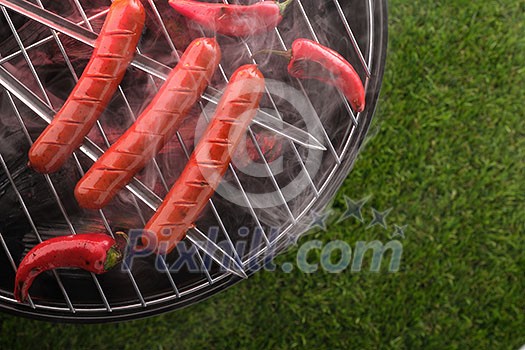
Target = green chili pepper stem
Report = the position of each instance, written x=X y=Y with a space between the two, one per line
x=122 y=240
x=288 y=54
x=283 y=6
x=113 y=258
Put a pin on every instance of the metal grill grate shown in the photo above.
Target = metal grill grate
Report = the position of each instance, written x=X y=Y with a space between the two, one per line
x=365 y=34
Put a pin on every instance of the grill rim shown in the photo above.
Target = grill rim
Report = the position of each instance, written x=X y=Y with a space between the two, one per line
x=378 y=63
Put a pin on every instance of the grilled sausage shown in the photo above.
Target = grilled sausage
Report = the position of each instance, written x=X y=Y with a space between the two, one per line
x=153 y=128
x=209 y=161
x=114 y=50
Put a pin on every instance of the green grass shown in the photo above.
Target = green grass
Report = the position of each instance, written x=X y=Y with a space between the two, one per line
x=448 y=156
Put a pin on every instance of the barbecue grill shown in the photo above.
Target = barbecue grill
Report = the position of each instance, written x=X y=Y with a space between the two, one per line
x=302 y=146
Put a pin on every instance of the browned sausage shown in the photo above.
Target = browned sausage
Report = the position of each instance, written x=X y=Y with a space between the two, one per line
x=153 y=128
x=208 y=163
x=114 y=50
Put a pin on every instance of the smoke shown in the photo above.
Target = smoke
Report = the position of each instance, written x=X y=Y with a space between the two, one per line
x=286 y=176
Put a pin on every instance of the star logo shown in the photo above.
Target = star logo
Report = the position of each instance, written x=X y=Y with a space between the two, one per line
x=353 y=209
x=320 y=219
x=379 y=218
x=399 y=231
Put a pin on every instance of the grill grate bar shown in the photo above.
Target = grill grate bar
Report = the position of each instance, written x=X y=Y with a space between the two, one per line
x=24 y=53
x=54 y=34
x=352 y=38
x=47 y=39
x=204 y=269
x=82 y=14
x=292 y=145
x=126 y=266
x=162 y=259
x=10 y=257
x=12 y=261
x=163 y=28
x=170 y=278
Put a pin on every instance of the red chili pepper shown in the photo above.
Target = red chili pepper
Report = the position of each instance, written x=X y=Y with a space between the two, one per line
x=114 y=50
x=94 y=252
x=208 y=163
x=311 y=60
x=153 y=128
x=233 y=20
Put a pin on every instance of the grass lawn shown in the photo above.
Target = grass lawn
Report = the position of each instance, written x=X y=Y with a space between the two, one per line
x=448 y=156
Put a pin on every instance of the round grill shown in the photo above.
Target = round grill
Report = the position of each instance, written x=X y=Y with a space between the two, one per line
x=302 y=146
